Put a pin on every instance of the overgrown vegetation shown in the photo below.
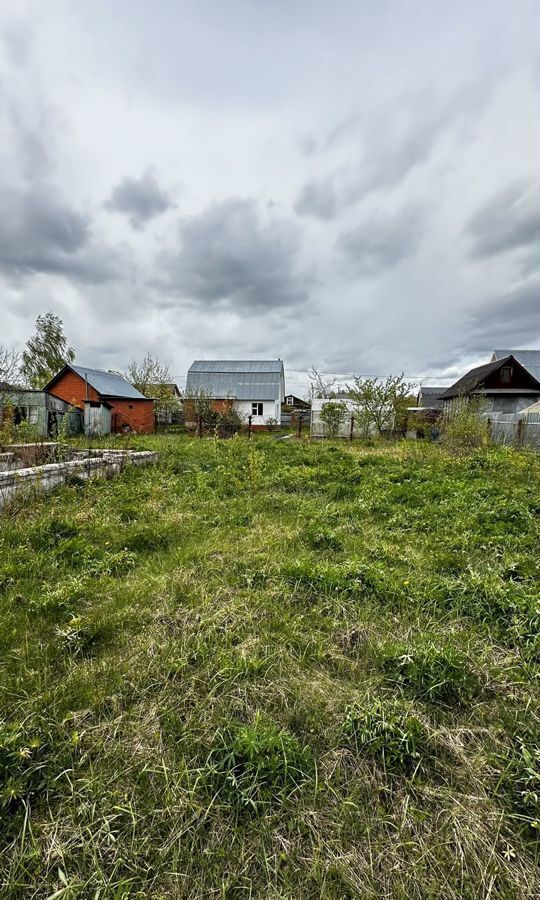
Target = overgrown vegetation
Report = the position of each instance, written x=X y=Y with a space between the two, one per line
x=333 y=415
x=274 y=669
x=464 y=426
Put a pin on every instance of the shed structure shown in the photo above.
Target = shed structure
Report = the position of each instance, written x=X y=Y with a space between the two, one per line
x=130 y=410
x=46 y=414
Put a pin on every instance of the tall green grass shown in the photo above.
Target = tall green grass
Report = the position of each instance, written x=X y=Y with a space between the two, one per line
x=274 y=669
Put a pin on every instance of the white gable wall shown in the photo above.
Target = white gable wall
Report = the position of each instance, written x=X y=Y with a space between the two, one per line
x=271 y=410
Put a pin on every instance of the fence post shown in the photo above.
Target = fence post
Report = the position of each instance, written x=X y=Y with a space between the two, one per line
x=200 y=426
x=300 y=422
x=519 y=436
x=249 y=427
x=489 y=429
x=352 y=428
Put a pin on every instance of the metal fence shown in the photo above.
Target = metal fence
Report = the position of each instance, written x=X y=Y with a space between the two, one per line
x=513 y=430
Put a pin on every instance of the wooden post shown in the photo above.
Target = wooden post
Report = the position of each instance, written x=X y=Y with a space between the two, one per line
x=489 y=425
x=300 y=420
x=352 y=428
x=519 y=436
x=249 y=427
x=200 y=426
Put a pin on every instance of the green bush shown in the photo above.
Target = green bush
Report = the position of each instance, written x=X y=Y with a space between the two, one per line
x=464 y=427
x=431 y=672
x=320 y=537
x=385 y=732
x=254 y=766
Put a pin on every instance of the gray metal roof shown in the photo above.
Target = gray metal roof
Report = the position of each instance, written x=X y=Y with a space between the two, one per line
x=430 y=397
x=239 y=379
x=530 y=359
x=108 y=384
x=250 y=366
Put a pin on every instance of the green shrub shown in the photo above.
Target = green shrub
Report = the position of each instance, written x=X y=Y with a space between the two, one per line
x=79 y=638
x=439 y=674
x=351 y=578
x=518 y=782
x=463 y=428
x=385 y=732
x=258 y=765
x=21 y=768
x=320 y=537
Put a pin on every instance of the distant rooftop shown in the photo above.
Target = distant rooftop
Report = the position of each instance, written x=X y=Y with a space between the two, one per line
x=430 y=397
x=107 y=384
x=237 y=365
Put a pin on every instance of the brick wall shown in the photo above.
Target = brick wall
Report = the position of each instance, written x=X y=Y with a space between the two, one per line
x=72 y=388
x=137 y=414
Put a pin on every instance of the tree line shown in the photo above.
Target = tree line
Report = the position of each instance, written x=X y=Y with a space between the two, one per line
x=47 y=351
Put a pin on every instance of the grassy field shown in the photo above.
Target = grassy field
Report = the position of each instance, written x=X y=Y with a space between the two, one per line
x=274 y=669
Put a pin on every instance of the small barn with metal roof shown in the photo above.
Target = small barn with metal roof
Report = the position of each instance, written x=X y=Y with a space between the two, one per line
x=110 y=402
x=252 y=387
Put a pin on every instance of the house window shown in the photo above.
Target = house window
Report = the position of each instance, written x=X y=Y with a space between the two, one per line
x=289 y=401
x=131 y=405
x=256 y=409
x=32 y=415
x=506 y=374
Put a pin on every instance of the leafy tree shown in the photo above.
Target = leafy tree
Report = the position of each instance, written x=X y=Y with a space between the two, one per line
x=10 y=375
x=153 y=379
x=321 y=388
x=198 y=405
x=46 y=352
x=333 y=415
x=379 y=402
x=10 y=371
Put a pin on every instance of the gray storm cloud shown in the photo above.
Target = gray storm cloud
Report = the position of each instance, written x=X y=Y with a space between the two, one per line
x=388 y=144
x=359 y=188
x=39 y=234
x=510 y=220
x=228 y=255
x=381 y=242
x=140 y=199
x=512 y=315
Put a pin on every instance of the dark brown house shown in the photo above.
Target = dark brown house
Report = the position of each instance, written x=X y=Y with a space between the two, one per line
x=505 y=383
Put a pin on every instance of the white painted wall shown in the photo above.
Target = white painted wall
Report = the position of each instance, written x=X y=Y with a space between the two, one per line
x=271 y=410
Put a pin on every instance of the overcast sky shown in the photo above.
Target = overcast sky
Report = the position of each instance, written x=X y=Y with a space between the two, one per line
x=353 y=185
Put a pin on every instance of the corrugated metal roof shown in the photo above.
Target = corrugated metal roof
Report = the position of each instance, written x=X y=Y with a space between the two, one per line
x=108 y=384
x=228 y=366
x=239 y=379
x=260 y=386
x=530 y=359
